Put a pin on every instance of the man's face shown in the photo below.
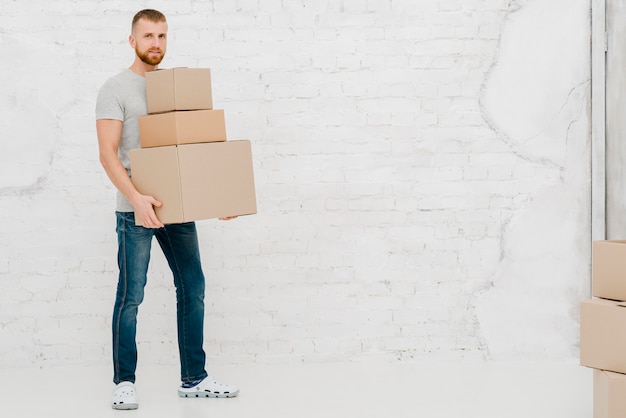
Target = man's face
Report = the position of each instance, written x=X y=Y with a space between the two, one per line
x=150 y=41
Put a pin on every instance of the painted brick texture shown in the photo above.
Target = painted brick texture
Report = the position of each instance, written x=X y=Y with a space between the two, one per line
x=386 y=190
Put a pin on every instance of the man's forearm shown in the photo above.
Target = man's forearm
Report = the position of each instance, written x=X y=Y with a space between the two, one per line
x=119 y=177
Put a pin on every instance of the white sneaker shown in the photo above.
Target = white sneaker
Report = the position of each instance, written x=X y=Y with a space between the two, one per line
x=209 y=388
x=124 y=396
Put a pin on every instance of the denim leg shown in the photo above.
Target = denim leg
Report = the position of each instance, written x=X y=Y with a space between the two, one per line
x=133 y=257
x=180 y=246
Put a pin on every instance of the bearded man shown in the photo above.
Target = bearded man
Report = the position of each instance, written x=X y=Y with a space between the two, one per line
x=121 y=101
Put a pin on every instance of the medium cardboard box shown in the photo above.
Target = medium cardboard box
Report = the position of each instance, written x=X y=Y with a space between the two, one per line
x=184 y=127
x=602 y=334
x=179 y=89
x=609 y=394
x=196 y=181
x=608 y=270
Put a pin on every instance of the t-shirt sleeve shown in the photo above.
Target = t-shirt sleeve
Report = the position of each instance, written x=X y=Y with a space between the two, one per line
x=108 y=104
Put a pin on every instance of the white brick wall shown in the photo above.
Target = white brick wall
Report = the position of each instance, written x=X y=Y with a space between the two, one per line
x=388 y=191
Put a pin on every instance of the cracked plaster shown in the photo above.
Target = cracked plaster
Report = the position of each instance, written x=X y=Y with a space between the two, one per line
x=536 y=97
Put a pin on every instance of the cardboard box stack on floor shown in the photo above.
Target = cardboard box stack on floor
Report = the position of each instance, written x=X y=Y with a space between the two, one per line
x=603 y=329
x=185 y=161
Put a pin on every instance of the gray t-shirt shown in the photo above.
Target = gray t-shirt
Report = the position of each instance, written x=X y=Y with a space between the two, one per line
x=123 y=98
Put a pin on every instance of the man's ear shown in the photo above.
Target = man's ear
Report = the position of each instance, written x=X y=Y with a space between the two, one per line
x=131 y=41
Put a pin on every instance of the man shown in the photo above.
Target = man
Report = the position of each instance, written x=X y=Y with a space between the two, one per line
x=121 y=100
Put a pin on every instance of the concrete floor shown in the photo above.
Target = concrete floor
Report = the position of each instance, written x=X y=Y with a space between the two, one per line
x=432 y=390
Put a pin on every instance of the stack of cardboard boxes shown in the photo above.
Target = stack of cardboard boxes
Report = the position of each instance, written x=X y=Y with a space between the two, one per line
x=603 y=329
x=185 y=161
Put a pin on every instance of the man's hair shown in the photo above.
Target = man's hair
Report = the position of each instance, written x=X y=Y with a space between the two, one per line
x=148 y=14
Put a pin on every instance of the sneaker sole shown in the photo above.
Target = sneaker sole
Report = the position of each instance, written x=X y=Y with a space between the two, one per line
x=125 y=406
x=207 y=395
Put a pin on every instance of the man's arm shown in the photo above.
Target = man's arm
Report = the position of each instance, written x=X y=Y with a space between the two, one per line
x=109 y=137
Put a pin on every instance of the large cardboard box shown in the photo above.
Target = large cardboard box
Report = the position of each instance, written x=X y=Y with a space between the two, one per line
x=609 y=394
x=609 y=270
x=185 y=127
x=603 y=334
x=196 y=181
x=179 y=89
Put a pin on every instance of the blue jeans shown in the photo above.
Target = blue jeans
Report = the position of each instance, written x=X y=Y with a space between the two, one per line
x=179 y=243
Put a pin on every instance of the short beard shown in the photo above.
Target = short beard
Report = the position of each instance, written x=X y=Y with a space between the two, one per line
x=150 y=60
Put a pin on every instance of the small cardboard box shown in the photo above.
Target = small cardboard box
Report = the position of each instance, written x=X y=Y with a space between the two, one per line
x=179 y=89
x=602 y=336
x=184 y=127
x=196 y=181
x=609 y=394
x=608 y=270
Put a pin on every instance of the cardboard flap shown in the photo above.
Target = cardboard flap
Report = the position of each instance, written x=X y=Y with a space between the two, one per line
x=178 y=89
x=155 y=173
x=218 y=179
x=159 y=90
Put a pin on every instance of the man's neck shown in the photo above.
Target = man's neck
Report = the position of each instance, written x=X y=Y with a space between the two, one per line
x=141 y=68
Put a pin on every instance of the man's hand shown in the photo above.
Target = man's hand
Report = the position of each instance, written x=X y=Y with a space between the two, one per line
x=144 y=209
x=228 y=218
